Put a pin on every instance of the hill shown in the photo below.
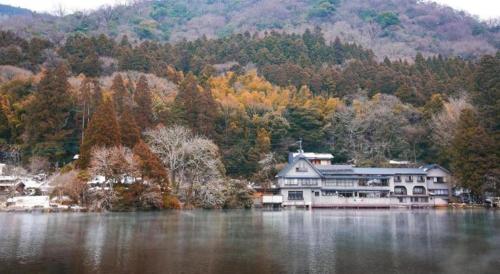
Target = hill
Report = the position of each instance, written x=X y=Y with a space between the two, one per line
x=10 y=11
x=393 y=28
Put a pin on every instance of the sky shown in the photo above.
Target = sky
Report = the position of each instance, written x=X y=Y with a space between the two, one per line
x=485 y=9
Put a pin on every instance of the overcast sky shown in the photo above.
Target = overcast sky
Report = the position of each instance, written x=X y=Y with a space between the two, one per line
x=485 y=9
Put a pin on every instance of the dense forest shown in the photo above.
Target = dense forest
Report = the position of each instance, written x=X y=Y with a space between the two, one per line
x=197 y=119
x=393 y=28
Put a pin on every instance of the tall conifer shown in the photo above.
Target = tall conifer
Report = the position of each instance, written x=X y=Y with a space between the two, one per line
x=47 y=118
x=103 y=131
x=143 y=111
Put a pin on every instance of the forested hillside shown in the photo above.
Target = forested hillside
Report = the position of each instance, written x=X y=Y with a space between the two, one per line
x=237 y=105
x=193 y=101
x=392 y=28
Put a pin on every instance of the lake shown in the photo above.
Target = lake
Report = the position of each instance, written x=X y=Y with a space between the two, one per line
x=289 y=241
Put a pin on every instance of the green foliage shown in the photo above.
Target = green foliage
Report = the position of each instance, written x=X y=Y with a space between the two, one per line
x=367 y=14
x=306 y=124
x=238 y=195
x=323 y=8
x=387 y=19
x=473 y=163
x=47 y=117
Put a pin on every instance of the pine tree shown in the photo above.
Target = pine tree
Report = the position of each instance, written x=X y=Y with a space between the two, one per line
x=130 y=132
x=47 y=118
x=144 y=105
x=103 y=131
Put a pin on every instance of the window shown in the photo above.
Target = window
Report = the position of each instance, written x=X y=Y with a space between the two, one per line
x=295 y=196
x=301 y=167
x=308 y=182
x=439 y=180
x=338 y=193
x=418 y=190
x=316 y=194
x=409 y=179
x=291 y=182
x=340 y=182
x=397 y=179
x=419 y=199
x=420 y=179
x=400 y=190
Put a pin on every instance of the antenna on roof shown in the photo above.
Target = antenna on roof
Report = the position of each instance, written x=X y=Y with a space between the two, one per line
x=300 y=146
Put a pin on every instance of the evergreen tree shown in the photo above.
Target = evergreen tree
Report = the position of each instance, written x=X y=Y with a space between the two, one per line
x=47 y=117
x=472 y=160
x=103 y=131
x=207 y=114
x=185 y=110
x=144 y=106
x=487 y=94
x=129 y=131
x=121 y=97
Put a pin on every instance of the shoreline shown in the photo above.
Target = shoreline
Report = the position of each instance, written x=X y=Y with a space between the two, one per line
x=85 y=210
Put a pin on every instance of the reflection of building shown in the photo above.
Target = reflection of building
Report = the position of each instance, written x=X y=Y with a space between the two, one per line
x=311 y=180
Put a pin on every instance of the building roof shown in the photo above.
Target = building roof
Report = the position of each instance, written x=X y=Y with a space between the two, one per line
x=388 y=171
x=313 y=155
x=432 y=166
x=349 y=170
x=295 y=160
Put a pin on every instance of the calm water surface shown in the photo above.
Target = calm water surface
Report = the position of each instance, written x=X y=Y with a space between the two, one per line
x=318 y=241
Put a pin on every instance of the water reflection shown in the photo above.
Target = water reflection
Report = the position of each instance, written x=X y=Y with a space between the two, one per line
x=319 y=241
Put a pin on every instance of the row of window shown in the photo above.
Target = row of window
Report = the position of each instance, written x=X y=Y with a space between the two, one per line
x=341 y=182
x=299 y=195
x=401 y=190
x=439 y=191
x=414 y=199
x=409 y=179
x=303 y=182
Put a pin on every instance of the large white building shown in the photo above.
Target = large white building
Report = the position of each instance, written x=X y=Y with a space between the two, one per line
x=310 y=180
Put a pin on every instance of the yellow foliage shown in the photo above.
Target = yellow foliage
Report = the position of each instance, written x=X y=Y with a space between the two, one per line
x=248 y=91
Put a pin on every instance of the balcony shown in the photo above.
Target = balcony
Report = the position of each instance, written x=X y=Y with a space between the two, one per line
x=373 y=183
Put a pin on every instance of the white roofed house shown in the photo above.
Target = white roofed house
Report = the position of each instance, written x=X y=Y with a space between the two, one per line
x=312 y=181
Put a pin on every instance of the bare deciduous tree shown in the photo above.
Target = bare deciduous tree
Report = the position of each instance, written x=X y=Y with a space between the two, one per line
x=168 y=144
x=193 y=161
x=70 y=183
x=444 y=124
x=38 y=164
x=114 y=164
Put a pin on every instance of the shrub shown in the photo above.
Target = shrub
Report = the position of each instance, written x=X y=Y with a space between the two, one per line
x=171 y=202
